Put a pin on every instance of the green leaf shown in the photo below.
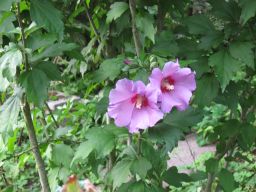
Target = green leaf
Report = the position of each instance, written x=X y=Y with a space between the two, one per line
x=33 y=28
x=227 y=10
x=243 y=51
x=141 y=75
x=50 y=69
x=62 y=155
x=53 y=178
x=184 y=119
x=102 y=105
x=137 y=187
x=45 y=14
x=166 y=133
x=201 y=66
x=121 y=172
x=207 y=90
x=133 y=186
x=227 y=180
x=248 y=10
x=6 y=19
x=109 y=68
x=225 y=67
x=6 y=5
x=39 y=41
x=157 y=157
x=83 y=151
x=116 y=10
x=199 y=24
x=102 y=139
x=212 y=165
x=9 y=111
x=141 y=166
x=173 y=178
x=36 y=85
x=230 y=97
x=211 y=39
x=247 y=137
x=54 y=50
x=10 y=60
x=165 y=44
x=229 y=128
x=4 y=83
x=145 y=25
x=198 y=176
x=188 y=48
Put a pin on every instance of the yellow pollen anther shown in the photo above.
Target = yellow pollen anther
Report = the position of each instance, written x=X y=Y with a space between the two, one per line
x=167 y=86
x=139 y=101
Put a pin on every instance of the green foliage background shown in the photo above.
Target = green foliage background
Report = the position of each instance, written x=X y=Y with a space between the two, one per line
x=79 y=47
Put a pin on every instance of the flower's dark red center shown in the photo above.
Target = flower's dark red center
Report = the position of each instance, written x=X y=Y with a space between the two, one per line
x=71 y=179
x=140 y=101
x=167 y=84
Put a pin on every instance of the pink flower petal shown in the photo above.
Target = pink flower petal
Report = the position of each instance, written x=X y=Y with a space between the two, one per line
x=122 y=92
x=183 y=94
x=134 y=105
x=186 y=78
x=179 y=98
x=122 y=112
x=170 y=68
x=139 y=87
x=156 y=77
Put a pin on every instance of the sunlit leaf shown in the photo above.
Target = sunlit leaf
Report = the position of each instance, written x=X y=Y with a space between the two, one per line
x=10 y=60
x=9 y=111
x=116 y=10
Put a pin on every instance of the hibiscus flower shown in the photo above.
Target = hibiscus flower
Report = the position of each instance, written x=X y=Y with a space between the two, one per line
x=133 y=105
x=174 y=86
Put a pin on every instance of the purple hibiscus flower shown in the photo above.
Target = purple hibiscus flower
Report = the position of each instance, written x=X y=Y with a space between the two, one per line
x=174 y=85
x=134 y=105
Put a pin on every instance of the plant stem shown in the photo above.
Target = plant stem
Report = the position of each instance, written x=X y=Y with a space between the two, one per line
x=218 y=156
x=136 y=38
x=139 y=143
x=5 y=180
x=97 y=34
x=53 y=118
x=23 y=37
x=129 y=140
x=27 y=116
x=35 y=148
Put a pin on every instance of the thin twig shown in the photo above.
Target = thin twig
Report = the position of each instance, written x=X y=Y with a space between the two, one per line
x=20 y=137
x=53 y=118
x=39 y=145
x=218 y=156
x=129 y=140
x=23 y=37
x=96 y=32
x=5 y=180
x=191 y=152
x=136 y=38
x=139 y=143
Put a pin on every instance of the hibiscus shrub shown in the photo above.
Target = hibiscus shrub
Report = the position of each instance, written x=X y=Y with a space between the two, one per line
x=145 y=73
